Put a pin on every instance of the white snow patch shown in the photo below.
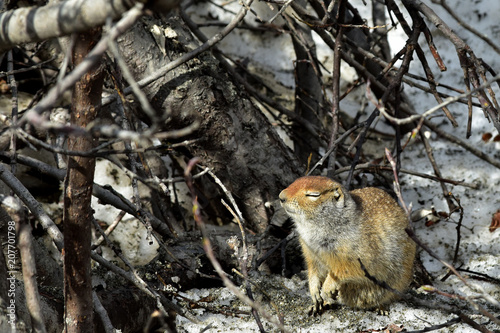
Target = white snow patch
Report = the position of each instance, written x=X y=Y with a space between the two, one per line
x=479 y=248
x=130 y=234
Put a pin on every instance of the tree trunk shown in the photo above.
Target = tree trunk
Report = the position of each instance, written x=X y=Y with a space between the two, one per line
x=86 y=103
x=309 y=101
x=235 y=139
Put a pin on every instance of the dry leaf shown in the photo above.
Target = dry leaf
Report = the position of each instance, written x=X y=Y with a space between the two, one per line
x=393 y=328
x=443 y=214
x=4 y=87
x=487 y=136
x=495 y=221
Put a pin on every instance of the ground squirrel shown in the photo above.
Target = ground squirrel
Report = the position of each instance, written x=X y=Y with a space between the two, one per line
x=337 y=229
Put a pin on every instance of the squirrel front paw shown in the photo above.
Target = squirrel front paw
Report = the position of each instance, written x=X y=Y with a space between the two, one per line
x=317 y=307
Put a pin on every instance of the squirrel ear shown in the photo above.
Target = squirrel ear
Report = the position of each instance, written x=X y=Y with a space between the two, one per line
x=337 y=193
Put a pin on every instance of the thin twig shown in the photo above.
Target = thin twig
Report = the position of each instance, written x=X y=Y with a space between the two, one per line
x=210 y=254
x=375 y=168
x=459 y=226
x=36 y=66
x=336 y=89
x=334 y=145
x=141 y=96
x=282 y=9
x=133 y=163
x=437 y=171
x=411 y=234
x=33 y=115
x=13 y=88
x=244 y=257
x=144 y=287
x=437 y=327
x=190 y=55
x=34 y=206
x=254 y=92
x=467 y=26
x=109 y=229
x=133 y=275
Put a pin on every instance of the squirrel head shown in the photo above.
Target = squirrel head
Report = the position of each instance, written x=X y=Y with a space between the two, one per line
x=315 y=199
x=323 y=211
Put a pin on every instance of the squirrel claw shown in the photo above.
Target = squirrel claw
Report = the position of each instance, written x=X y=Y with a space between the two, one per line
x=318 y=308
x=382 y=310
x=315 y=309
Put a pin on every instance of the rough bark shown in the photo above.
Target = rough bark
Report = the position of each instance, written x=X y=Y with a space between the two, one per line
x=78 y=192
x=235 y=138
x=309 y=102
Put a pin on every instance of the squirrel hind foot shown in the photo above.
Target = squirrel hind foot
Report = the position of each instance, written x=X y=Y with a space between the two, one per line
x=382 y=310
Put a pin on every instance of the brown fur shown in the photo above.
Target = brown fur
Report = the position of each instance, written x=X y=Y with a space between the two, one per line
x=336 y=228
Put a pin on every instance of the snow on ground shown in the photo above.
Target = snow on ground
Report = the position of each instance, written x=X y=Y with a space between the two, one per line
x=130 y=234
x=479 y=248
x=272 y=55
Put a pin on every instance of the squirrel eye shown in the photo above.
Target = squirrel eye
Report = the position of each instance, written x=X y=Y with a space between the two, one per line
x=313 y=194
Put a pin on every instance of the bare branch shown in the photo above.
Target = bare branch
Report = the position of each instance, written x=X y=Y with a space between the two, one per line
x=34 y=206
x=35 y=24
x=206 y=45
x=209 y=251
x=52 y=96
x=25 y=243
x=467 y=26
x=262 y=97
x=15 y=106
x=474 y=287
x=101 y=311
x=336 y=88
